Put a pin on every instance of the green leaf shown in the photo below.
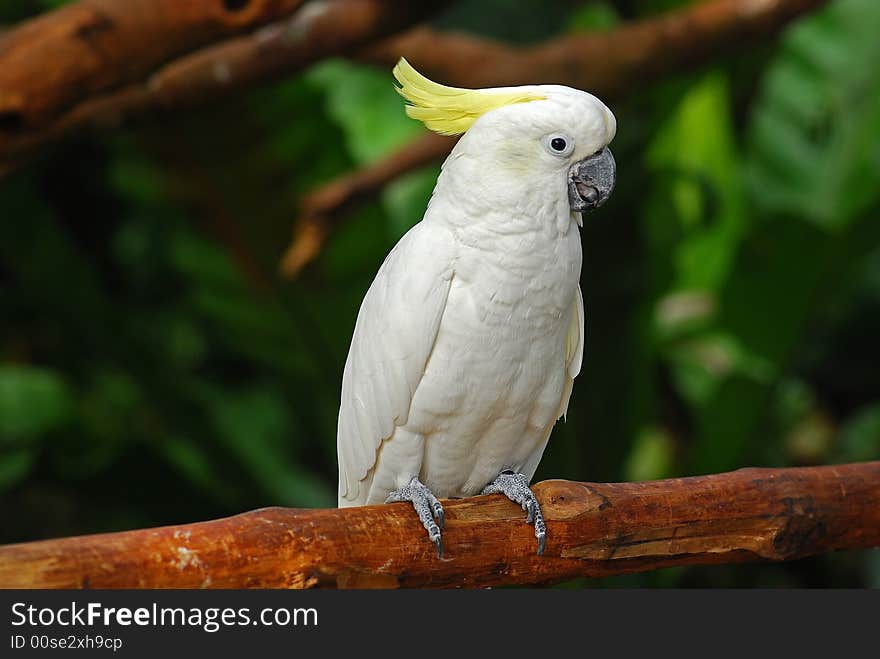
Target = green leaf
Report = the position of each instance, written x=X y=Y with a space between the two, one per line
x=696 y=166
x=110 y=417
x=14 y=466
x=202 y=261
x=364 y=103
x=136 y=177
x=33 y=401
x=860 y=437
x=255 y=425
x=726 y=425
x=812 y=139
x=195 y=464
x=651 y=456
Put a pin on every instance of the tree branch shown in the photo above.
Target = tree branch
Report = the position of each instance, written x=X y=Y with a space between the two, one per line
x=594 y=530
x=51 y=62
x=122 y=86
x=608 y=64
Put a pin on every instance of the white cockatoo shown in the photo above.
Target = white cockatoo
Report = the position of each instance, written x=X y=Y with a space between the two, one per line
x=469 y=338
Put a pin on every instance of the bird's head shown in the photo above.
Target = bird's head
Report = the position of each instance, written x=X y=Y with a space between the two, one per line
x=546 y=136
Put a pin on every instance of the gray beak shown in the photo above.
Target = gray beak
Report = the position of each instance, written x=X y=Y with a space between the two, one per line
x=591 y=180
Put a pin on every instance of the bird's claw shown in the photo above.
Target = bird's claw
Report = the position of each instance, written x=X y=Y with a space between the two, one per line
x=515 y=487
x=438 y=543
x=439 y=514
x=542 y=539
x=427 y=507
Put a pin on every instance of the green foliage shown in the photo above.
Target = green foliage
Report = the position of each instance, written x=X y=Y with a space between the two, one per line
x=860 y=437
x=813 y=130
x=154 y=369
x=33 y=401
x=368 y=110
x=651 y=457
x=364 y=104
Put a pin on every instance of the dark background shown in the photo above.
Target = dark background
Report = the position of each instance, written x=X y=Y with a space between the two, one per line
x=154 y=368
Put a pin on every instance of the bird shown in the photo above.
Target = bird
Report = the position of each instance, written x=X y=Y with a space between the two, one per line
x=468 y=341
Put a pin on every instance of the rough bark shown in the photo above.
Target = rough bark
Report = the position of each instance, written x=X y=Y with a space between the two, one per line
x=594 y=530
x=104 y=81
x=607 y=63
x=49 y=63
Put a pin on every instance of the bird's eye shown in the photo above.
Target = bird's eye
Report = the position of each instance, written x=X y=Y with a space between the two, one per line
x=559 y=145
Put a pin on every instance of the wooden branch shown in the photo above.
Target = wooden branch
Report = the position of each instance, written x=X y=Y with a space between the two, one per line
x=34 y=114
x=55 y=60
x=608 y=64
x=594 y=529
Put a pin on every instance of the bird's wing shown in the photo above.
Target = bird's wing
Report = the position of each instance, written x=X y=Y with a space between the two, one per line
x=574 y=354
x=574 y=344
x=395 y=332
x=574 y=350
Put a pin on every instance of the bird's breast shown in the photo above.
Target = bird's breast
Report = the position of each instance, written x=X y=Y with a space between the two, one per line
x=517 y=284
x=501 y=342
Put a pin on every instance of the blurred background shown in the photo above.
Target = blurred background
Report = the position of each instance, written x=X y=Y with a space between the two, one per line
x=155 y=367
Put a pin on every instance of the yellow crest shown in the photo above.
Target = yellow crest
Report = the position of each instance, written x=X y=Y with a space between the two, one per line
x=451 y=110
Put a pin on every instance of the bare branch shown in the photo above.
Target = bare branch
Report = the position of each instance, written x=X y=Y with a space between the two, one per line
x=606 y=63
x=318 y=30
x=54 y=61
x=594 y=530
x=609 y=64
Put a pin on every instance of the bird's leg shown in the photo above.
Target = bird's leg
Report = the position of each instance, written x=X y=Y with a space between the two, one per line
x=427 y=506
x=516 y=488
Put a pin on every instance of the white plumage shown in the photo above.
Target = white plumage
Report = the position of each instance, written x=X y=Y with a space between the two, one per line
x=469 y=338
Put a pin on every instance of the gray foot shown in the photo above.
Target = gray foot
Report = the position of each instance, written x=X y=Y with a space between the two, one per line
x=427 y=507
x=516 y=488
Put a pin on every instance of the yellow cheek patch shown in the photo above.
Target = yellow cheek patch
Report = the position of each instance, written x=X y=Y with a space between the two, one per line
x=452 y=110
